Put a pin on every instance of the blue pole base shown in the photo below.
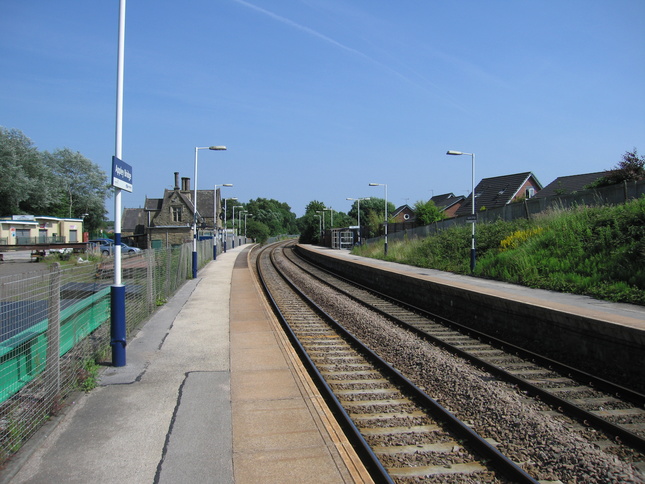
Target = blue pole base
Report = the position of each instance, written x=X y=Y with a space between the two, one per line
x=214 y=252
x=195 y=265
x=117 y=325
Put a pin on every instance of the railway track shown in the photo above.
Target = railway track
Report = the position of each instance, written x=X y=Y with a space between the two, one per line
x=616 y=411
x=404 y=434
x=603 y=445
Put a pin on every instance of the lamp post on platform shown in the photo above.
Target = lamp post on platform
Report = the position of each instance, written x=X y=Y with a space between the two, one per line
x=239 y=225
x=226 y=222
x=358 y=210
x=383 y=185
x=245 y=215
x=473 y=217
x=214 y=148
x=215 y=218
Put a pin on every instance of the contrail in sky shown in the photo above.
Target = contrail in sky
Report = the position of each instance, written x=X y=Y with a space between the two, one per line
x=335 y=43
x=304 y=29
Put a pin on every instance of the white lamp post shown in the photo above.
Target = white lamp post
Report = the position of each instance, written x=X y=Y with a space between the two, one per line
x=234 y=232
x=215 y=148
x=358 y=209
x=319 y=227
x=383 y=185
x=473 y=219
x=226 y=221
x=245 y=215
x=239 y=224
x=215 y=217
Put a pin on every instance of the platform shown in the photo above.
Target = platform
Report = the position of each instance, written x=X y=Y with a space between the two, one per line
x=211 y=393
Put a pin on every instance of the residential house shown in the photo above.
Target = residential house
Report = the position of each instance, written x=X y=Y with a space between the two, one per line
x=565 y=185
x=448 y=203
x=499 y=191
x=403 y=214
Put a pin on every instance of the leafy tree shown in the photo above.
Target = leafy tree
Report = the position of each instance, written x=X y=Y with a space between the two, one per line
x=630 y=168
x=372 y=214
x=257 y=231
x=277 y=216
x=25 y=184
x=341 y=219
x=427 y=212
x=83 y=186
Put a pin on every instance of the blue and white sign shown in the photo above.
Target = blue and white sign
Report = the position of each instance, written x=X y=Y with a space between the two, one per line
x=121 y=174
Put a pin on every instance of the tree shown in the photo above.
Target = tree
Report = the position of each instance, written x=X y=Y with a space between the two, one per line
x=309 y=224
x=277 y=216
x=427 y=212
x=26 y=186
x=630 y=168
x=83 y=186
x=372 y=214
x=257 y=231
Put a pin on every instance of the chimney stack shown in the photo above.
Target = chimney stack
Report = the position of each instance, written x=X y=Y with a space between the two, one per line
x=185 y=184
x=176 y=180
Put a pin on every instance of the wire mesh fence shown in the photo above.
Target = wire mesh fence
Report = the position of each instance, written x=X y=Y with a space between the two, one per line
x=55 y=328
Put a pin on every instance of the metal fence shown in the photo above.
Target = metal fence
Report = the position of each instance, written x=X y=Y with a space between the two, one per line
x=55 y=328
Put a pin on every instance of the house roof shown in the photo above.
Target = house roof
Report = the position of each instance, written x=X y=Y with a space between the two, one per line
x=564 y=185
x=447 y=200
x=153 y=204
x=401 y=209
x=496 y=191
x=133 y=217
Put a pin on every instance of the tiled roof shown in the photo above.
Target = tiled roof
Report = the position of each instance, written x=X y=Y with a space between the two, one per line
x=496 y=192
x=447 y=200
x=153 y=204
x=401 y=209
x=133 y=217
x=564 y=185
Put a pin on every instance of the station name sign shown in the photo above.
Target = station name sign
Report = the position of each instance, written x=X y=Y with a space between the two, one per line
x=121 y=174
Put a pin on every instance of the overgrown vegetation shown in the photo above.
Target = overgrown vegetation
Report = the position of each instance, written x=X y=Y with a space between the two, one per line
x=595 y=251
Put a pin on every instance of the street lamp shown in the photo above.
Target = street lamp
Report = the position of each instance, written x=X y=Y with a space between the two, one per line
x=233 y=217
x=358 y=209
x=214 y=148
x=245 y=215
x=239 y=224
x=383 y=185
x=473 y=219
x=215 y=218
x=226 y=222
x=319 y=227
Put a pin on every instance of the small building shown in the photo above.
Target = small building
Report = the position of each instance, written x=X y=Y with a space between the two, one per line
x=34 y=229
x=498 y=191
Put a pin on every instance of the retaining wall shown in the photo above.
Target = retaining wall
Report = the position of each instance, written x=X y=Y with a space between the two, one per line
x=581 y=340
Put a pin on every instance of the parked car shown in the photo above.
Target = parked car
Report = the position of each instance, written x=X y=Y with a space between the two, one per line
x=127 y=249
x=106 y=247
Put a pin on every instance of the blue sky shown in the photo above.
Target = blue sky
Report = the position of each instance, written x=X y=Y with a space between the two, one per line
x=317 y=98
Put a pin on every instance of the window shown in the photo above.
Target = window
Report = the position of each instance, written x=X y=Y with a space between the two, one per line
x=176 y=214
x=530 y=191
